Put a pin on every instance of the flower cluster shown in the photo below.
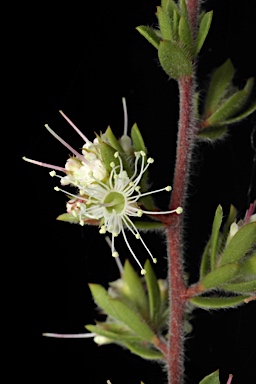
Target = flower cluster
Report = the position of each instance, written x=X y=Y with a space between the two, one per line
x=108 y=185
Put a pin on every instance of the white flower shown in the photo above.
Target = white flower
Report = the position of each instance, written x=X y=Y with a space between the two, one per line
x=110 y=198
x=115 y=203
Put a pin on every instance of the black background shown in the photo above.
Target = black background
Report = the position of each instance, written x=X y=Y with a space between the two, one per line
x=83 y=58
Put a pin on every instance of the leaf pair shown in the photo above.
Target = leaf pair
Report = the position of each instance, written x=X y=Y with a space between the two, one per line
x=135 y=309
x=225 y=104
x=228 y=264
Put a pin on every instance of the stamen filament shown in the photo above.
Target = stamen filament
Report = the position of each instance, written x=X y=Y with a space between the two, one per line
x=46 y=165
x=78 y=155
x=75 y=127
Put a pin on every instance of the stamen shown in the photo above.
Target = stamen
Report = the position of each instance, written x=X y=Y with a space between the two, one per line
x=75 y=127
x=118 y=262
x=142 y=270
x=178 y=210
x=78 y=155
x=46 y=165
x=125 y=116
x=69 y=336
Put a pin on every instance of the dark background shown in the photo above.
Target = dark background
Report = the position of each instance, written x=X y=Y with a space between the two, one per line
x=83 y=58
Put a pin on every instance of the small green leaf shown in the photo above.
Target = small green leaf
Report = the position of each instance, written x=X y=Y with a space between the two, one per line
x=212 y=133
x=220 y=276
x=226 y=227
x=219 y=84
x=68 y=217
x=203 y=31
x=213 y=378
x=215 y=235
x=153 y=292
x=107 y=154
x=243 y=287
x=185 y=35
x=211 y=249
x=144 y=351
x=149 y=225
x=164 y=24
x=114 y=143
x=217 y=302
x=112 y=331
x=102 y=299
x=205 y=266
x=243 y=115
x=120 y=311
x=240 y=244
x=183 y=9
x=149 y=34
x=231 y=106
x=133 y=289
x=133 y=320
x=248 y=267
x=174 y=60
x=137 y=139
x=169 y=7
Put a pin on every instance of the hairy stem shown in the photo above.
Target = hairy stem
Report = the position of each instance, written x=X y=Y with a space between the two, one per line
x=177 y=286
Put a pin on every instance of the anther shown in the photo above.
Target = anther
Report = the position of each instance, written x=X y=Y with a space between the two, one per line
x=179 y=210
x=115 y=254
x=168 y=188
x=139 y=213
x=143 y=272
x=52 y=173
x=56 y=189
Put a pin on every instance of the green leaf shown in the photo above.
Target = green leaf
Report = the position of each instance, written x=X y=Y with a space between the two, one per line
x=112 y=331
x=217 y=302
x=185 y=35
x=205 y=266
x=231 y=106
x=114 y=143
x=153 y=292
x=137 y=139
x=149 y=225
x=144 y=351
x=107 y=154
x=215 y=235
x=203 y=31
x=169 y=7
x=133 y=289
x=150 y=35
x=102 y=299
x=68 y=217
x=226 y=227
x=164 y=24
x=139 y=145
x=240 y=244
x=212 y=133
x=220 y=276
x=219 y=84
x=118 y=310
x=133 y=320
x=248 y=267
x=243 y=287
x=211 y=249
x=174 y=60
x=213 y=378
x=243 y=115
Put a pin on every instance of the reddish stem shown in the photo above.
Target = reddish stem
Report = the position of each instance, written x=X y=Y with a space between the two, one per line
x=177 y=287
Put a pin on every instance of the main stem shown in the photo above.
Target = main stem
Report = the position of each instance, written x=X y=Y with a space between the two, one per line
x=177 y=286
